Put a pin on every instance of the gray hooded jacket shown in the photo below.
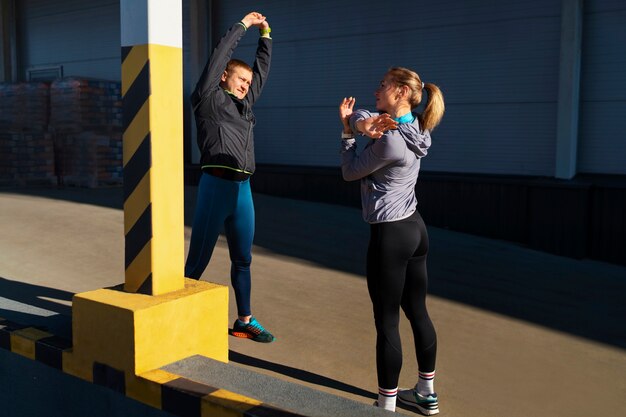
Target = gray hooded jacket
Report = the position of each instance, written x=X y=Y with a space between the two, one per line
x=388 y=168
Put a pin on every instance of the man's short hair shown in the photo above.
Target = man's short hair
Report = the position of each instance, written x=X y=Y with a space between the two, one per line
x=237 y=63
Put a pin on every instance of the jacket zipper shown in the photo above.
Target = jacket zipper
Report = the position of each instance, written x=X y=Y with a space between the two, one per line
x=247 y=118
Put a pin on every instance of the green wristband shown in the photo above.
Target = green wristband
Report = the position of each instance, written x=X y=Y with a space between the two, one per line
x=265 y=31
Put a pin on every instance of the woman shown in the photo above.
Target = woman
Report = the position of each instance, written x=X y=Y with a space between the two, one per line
x=396 y=257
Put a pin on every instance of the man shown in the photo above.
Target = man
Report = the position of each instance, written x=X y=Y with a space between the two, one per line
x=222 y=104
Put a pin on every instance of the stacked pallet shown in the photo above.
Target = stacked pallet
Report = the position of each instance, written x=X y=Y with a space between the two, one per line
x=26 y=148
x=79 y=104
x=86 y=118
x=90 y=159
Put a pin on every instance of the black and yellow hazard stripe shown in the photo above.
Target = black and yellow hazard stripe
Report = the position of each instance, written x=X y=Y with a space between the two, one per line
x=153 y=168
x=137 y=164
x=33 y=343
x=157 y=388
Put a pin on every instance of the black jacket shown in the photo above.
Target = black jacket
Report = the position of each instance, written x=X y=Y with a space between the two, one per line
x=224 y=122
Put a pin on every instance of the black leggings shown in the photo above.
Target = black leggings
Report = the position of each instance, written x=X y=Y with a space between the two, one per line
x=396 y=277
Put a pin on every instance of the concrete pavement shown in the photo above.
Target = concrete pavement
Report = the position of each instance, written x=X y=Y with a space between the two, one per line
x=519 y=331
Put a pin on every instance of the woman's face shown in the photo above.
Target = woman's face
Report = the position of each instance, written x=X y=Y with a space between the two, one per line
x=386 y=95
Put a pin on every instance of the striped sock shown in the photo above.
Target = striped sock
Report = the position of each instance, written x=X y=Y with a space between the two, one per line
x=387 y=398
x=425 y=383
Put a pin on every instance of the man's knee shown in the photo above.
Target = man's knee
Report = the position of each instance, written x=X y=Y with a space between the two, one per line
x=242 y=263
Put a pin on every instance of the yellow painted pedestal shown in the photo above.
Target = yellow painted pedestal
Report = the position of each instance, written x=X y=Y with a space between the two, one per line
x=136 y=333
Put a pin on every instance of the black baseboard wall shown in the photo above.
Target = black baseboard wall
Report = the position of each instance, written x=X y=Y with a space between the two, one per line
x=580 y=218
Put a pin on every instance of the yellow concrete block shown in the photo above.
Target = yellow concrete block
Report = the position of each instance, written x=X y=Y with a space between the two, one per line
x=23 y=341
x=139 y=333
x=146 y=387
x=223 y=403
x=73 y=366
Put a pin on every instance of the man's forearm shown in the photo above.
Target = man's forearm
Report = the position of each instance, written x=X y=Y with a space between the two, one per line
x=216 y=65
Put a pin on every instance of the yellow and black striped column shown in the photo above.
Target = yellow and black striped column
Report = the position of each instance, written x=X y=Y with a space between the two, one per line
x=118 y=335
x=153 y=145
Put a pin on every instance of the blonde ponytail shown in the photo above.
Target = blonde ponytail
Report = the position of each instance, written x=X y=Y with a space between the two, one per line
x=435 y=107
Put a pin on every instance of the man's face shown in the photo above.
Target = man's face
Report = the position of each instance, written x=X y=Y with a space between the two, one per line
x=237 y=80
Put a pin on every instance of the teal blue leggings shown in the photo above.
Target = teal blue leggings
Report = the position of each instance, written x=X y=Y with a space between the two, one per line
x=229 y=204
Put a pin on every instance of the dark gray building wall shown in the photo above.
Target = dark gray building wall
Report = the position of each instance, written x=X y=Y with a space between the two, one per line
x=82 y=37
x=496 y=62
x=603 y=89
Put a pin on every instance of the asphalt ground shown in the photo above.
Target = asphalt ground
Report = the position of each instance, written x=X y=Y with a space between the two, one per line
x=520 y=332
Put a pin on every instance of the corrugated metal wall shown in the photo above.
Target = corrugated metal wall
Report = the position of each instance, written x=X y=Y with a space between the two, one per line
x=602 y=146
x=496 y=62
x=83 y=36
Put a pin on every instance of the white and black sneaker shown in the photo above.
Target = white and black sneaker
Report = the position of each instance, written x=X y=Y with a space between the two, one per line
x=425 y=404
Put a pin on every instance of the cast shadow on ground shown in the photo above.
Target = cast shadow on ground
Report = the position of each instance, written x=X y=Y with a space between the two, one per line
x=580 y=297
x=32 y=305
x=299 y=374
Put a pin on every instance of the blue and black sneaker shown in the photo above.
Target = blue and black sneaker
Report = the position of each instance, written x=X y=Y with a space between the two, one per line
x=252 y=330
